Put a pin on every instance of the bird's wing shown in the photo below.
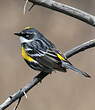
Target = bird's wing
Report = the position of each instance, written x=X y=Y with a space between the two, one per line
x=44 y=54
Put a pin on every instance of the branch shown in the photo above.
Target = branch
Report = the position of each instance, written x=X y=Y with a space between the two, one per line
x=79 y=48
x=19 y=94
x=23 y=91
x=68 y=10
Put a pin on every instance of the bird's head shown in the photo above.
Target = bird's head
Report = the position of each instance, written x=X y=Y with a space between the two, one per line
x=27 y=34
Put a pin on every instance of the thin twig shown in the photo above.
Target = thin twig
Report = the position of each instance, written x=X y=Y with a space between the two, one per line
x=68 y=10
x=31 y=7
x=42 y=75
x=25 y=5
x=17 y=104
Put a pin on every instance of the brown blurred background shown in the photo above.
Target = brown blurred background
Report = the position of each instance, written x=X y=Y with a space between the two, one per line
x=58 y=91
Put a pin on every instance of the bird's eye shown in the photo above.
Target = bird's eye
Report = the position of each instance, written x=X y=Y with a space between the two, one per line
x=29 y=36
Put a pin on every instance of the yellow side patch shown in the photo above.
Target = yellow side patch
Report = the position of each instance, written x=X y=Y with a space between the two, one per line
x=60 y=57
x=25 y=56
x=28 y=27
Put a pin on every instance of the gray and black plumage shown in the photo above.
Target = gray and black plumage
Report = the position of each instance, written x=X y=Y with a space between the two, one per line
x=41 y=54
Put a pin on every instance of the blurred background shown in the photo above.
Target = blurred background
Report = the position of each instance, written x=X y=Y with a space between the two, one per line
x=58 y=91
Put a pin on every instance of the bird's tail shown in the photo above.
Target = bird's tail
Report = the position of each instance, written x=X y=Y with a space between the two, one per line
x=70 y=66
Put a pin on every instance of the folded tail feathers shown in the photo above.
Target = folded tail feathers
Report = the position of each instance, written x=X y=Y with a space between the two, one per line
x=69 y=66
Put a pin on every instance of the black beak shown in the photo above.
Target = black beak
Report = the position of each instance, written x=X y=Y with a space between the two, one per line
x=18 y=33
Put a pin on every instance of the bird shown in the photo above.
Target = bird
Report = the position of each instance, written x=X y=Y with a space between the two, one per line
x=42 y=55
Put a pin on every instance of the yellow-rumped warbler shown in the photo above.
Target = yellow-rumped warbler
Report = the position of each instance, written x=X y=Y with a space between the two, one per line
x=41 y=54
